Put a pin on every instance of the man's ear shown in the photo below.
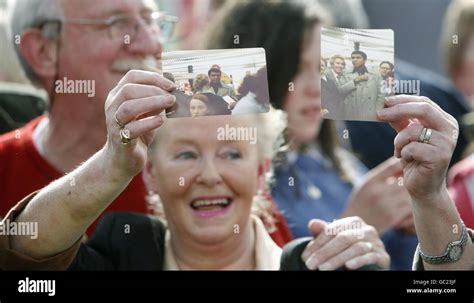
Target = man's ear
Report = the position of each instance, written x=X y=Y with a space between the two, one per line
x=39 y=52
x=148 y=177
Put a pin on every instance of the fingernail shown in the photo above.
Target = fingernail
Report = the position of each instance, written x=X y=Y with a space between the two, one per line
x=169 y=85
x=351 y=264
x=170 y=100
x=305 y=255
x=312 y=263
x=326 y=266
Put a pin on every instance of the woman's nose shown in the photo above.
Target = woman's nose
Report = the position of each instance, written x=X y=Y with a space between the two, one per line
x=209 y=175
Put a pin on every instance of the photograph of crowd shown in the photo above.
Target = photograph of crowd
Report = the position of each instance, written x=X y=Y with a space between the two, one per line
x=217 y=82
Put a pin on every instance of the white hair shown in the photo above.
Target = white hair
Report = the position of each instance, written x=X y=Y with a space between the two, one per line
x=26 y=14
x=10 y=69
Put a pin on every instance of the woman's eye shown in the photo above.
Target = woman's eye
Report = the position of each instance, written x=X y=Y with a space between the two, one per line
x=186 y=155
x=232 y=154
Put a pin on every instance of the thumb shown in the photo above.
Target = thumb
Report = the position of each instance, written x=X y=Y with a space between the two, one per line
x=316 y=226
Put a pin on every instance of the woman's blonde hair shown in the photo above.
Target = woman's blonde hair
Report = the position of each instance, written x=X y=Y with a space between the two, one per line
x=200 y=82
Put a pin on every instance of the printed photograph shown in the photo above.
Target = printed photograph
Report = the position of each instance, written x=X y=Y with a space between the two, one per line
x=357 y=72
x=217 y=82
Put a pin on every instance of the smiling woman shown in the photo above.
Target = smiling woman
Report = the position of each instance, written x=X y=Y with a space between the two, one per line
x=207 y=188
x=206 y=200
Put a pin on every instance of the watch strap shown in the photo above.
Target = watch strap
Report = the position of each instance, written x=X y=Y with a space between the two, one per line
x=446 y=257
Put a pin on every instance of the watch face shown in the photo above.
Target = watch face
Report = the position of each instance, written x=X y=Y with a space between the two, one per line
x=455 y=253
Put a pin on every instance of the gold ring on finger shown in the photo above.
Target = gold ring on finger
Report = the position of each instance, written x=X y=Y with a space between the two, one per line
x=125 y=136
x=425 y=135
x=117 y=121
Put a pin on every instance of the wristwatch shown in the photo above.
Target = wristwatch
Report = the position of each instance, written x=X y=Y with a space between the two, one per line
x=452 y=253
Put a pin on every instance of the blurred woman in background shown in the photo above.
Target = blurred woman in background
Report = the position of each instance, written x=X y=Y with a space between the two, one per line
x=314 y=176
x=458 y=45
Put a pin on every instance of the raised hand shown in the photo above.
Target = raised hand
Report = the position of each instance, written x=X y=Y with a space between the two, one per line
x=425 y=142
x=132 y=112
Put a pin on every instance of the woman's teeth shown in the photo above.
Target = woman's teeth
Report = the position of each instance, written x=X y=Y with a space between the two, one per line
x=220 y=202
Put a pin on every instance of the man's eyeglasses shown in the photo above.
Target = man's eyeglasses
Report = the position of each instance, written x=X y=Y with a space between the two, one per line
x=121 y=27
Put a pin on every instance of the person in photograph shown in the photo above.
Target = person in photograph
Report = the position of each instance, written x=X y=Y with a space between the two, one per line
x=387 y=73
x=386 y=70
x=336 y=88
x=218 y=87
x=201 y=84
x=254 y=92
x=324 y=79
x=198 y=105
x=324 y=65
x=368 y=97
